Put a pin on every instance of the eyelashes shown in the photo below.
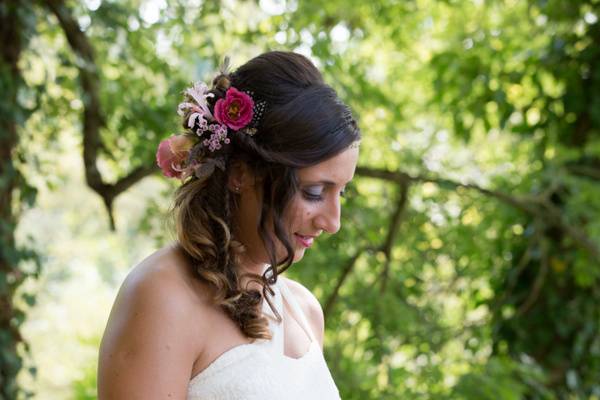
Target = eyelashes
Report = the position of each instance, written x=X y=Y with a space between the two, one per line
x=316 y=197
x=312 y=197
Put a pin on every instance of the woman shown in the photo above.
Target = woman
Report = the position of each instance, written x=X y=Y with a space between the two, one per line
x=268 y=151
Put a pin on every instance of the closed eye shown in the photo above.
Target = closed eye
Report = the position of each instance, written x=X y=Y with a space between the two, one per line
x=317 y=195
x=310 y=196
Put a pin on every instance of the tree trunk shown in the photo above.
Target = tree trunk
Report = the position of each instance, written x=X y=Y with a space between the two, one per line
x=10 y=117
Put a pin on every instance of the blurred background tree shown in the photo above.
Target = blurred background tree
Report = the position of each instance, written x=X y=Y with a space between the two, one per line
x=468 y=262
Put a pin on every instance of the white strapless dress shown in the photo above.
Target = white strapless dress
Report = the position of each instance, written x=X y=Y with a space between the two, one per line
x=260 y=370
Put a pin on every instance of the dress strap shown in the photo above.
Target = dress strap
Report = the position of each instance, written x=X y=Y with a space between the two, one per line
x=289 y=298
x=275 y=326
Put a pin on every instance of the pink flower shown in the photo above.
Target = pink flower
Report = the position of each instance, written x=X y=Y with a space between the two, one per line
x=235 y=110
x=171 y=153
x=196 y=105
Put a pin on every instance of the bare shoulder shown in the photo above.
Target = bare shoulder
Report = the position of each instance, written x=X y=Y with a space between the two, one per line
x=310 y=305
x=149 y=346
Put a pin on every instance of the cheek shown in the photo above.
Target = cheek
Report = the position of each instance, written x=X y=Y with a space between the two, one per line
x=299 y=214
x=303 y=215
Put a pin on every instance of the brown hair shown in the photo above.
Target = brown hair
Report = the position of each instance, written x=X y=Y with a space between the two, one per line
x=304 y=123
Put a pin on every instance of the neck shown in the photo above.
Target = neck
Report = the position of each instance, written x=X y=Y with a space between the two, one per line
x=248 y=266
x=252 y=268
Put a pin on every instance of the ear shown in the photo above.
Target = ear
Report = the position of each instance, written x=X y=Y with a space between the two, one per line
x=240 y=177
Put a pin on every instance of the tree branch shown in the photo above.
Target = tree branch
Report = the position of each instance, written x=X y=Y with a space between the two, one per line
x=513 y=278
x=342 y=278
x=396 y=220
x=585 y=171
x=538 y=284
x=92 y=113
x=401 y=177
x=534 y=206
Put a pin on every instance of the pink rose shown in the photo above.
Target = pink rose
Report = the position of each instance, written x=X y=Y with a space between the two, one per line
x=171 y=153
x=235 y=110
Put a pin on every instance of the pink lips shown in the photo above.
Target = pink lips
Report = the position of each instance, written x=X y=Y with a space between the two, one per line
x=305 y=241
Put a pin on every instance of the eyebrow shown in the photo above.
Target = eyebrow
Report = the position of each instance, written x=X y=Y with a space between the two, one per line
x=325 y=182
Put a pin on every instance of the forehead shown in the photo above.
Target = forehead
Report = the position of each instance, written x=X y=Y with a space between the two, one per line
x=337 y=170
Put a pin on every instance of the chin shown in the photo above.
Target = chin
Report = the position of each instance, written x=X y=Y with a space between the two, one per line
x=298 y=254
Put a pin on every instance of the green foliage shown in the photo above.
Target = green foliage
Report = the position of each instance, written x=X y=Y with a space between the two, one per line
x=547 y=88
x=488 y=287
x=17 y=262
x=84 y=388
x=502 y=378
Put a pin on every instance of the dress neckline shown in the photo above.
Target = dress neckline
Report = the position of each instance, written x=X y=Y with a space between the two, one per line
x=273 y=346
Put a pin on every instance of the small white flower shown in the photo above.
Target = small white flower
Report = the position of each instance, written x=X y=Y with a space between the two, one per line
x=197 y=105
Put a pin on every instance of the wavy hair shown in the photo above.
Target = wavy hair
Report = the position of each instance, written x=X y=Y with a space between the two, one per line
x=304 y=123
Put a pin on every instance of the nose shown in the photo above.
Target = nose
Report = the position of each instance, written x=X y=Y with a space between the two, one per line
x=328 y=218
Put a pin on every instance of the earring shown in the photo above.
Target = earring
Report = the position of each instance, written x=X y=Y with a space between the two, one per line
x=236 y=189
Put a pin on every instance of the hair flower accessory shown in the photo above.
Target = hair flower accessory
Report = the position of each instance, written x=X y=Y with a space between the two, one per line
x=197 y=106
x=235 y=110
x=172 y=153
x=209 y=127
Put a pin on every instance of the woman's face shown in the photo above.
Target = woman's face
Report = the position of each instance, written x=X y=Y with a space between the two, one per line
x=314 y=209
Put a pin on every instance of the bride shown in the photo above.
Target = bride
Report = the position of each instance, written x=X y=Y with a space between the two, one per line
x=266 y=154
